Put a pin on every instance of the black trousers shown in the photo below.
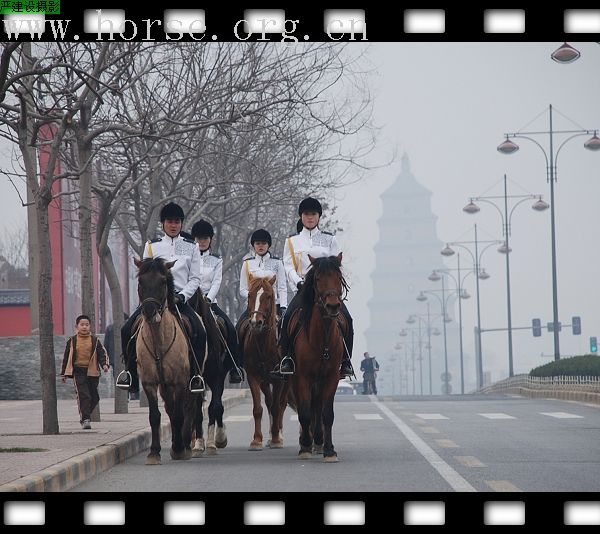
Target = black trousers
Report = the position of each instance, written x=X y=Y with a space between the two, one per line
x=128 y=343
x=231 y=338
x=86 y=388
x=284 y=340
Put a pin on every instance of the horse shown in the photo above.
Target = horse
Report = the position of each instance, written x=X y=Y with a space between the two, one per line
x=318 y=345
x=258 y=338
x=214 y=370
x=162 y=358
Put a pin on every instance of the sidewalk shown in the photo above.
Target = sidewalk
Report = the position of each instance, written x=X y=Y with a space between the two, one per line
x=74 y=455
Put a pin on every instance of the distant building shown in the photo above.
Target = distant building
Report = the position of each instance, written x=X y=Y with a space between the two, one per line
x=407 y=252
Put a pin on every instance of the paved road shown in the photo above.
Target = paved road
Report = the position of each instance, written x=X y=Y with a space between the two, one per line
x=501 y=443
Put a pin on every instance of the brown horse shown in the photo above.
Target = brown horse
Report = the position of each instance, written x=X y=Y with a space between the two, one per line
x=258 y=339
x=162 y=358
x=318 y=344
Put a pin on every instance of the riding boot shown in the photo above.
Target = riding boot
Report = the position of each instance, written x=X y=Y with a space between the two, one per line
x=346 y=369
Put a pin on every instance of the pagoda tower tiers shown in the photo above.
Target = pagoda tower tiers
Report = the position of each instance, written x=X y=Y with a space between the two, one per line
x=407 y=252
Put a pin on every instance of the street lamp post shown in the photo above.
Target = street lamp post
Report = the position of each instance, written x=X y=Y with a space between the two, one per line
x=430 y=331
x=479 y=274
x=509 y=147
x=506 y=217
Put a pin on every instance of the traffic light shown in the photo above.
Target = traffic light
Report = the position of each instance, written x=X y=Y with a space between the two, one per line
x=536 y=324
x=594 y=345
x=576 y=322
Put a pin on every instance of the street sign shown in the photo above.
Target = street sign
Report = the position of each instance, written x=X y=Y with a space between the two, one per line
x=446 y=388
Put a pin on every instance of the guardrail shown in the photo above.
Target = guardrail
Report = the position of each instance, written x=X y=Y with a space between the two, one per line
x=569 y=388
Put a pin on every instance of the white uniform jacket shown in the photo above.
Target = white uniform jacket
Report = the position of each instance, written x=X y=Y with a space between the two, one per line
x=297 y=248
x=211 y=274
x=264 y=267
x=186 y=271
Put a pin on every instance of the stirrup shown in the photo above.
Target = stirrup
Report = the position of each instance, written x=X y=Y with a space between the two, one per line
x=293 y=366
x=120 y=383
x=196 y=384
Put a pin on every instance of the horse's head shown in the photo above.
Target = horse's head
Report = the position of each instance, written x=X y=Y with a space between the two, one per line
x=155 y=287
x=261 y=302
x=327 y=282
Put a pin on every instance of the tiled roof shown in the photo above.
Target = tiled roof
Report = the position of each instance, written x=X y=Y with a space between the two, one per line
x=14 y=297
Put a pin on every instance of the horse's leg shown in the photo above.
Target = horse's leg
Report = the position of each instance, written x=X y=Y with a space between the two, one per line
x=283 y=401
x=177 y=443
x=329 y=454
x=256 y=443
x=265 y=387
x=317 y=421
x=303 y=395
x=153 y=457
x=220 y=434
x=276 y=438
x=189 y=409
x=199 y=446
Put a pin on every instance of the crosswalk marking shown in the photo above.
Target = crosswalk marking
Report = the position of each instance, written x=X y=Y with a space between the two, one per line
x=430 y=430
x=367 y=416
x=562 y=415
x=469 y=461
x=431 y=416
x=294 y=417
x=446 y=443
x=497 y=416
x=502 y=485
x=237 y=418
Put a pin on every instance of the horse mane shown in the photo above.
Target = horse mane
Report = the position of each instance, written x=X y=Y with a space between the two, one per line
x=158 y=265
x=327 y=265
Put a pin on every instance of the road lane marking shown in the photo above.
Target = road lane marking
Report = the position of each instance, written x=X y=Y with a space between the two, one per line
x=418 y=421
x=294 y=417
x=456 y=482
x=496 y=416
x=237 y=418
x=562 y=415
x=431 y=416
x=430 y=430
x=502 y=485
x=446 y=444
x=469 y=461
x=367 y=416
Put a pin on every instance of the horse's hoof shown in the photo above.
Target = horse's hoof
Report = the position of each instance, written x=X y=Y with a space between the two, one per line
x=220 y=437
x=197 y=453
x=306 y=455
x=255 y=446
x=331 y=459
x=153 y=459
x=317 y=449
x=187 y=454
x=210 y=451
x=275 y=444
x=221 y=444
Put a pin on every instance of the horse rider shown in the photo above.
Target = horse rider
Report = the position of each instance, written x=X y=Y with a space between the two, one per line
x=186 y=278
x=211 y=274
x=316 y=243
x=260 y=263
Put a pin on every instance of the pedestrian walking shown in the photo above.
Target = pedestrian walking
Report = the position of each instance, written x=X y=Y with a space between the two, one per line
x=84 y=357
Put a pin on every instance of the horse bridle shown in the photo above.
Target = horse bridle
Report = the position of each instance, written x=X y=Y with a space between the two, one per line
x=323 y=296
x=159 y=305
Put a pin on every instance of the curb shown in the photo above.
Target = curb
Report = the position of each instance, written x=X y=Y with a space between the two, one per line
x=70 y=473
x=579 y=396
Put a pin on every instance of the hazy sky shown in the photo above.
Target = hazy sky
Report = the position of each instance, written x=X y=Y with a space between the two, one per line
x=447 y=105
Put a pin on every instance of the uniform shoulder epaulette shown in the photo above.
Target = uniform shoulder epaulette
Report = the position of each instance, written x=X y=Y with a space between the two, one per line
x=186 y=236
x=156 y=240
x=189 y=241
x=328 y=233
x=293 y=235
x=247 y=257
x=275 y=258
x=215 y=255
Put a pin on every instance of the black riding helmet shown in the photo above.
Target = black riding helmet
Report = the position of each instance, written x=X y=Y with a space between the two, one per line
x=260 y=235
x=203 y=228
x=310 y=204
x=171 y=211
